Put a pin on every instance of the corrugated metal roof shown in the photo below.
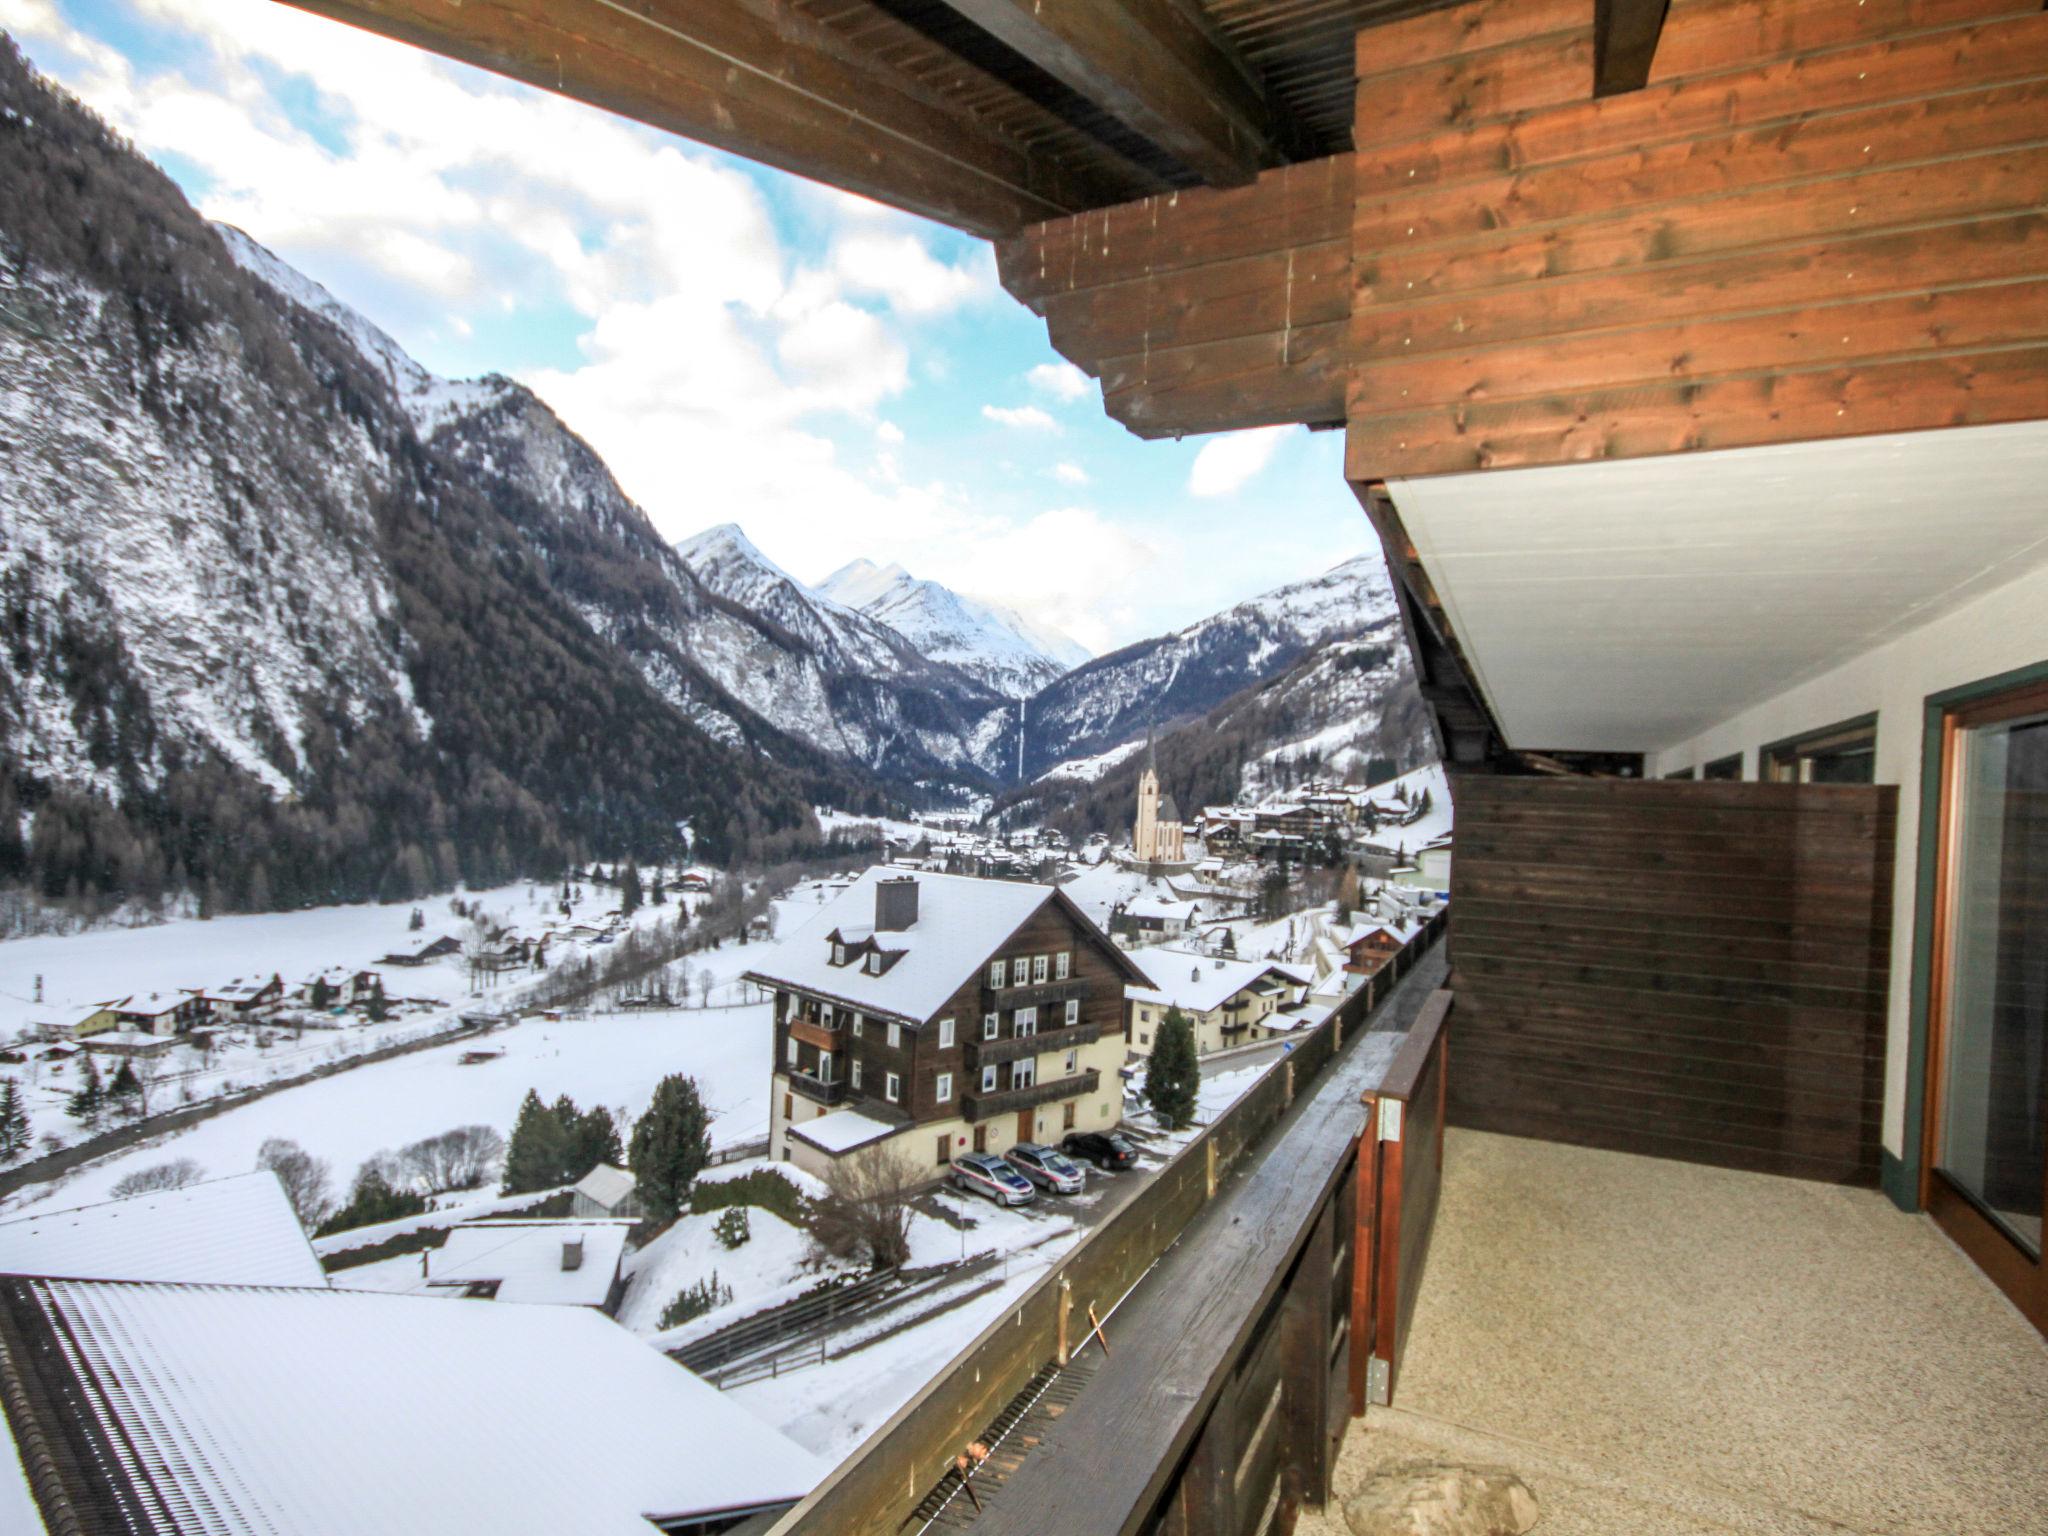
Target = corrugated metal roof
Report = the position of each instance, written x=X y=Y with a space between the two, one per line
x=335 y=1413
x=233 y=1231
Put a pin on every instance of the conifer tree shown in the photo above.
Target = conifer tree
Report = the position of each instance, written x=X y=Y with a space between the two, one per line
x=671 y=1144
x=124 y=1093
x=629 y=889
x=535 y=1155
x=596 y=1141
x=13 y=1121
x=88 y=1104
x=1173 y=1075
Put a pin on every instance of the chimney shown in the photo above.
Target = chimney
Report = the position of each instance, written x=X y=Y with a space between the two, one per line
x=572 y=1254
x=895 y=904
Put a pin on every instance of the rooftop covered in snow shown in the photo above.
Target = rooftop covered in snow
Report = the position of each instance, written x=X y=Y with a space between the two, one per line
x=233 y=1231
x=955 y=923
x=1202 y=982
x=567 y=1263
x=842 y=1130
x=333 y=1413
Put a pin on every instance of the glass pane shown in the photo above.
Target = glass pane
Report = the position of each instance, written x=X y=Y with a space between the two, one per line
x=1997 y=1030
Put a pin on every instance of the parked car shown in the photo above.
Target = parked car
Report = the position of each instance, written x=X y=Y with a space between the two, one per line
x=1107 y=1150
x=1045 y=1168
x=983 y=1173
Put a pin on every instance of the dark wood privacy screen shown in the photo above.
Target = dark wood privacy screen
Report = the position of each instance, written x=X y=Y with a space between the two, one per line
x=1690 y=970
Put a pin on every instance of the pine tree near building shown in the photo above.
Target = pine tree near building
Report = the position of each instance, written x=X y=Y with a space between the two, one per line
x=537 y=1150
x=124 y=1093
x=322 y=994
x=1173 y=1076
x=629 y=889
x=13 y=1121
x=671 y=1144
x=88 y=1104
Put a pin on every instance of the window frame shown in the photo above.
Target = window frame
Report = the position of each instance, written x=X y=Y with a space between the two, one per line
x=945 y=1034
x=998 y=972
x=942 y=1088
x=1063 y=965
x=892 y=1088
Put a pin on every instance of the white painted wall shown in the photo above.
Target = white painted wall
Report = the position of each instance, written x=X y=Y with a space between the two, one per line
x=1997 y=632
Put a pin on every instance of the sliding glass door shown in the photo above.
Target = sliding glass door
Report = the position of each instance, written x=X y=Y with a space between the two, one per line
x=1988 y=1136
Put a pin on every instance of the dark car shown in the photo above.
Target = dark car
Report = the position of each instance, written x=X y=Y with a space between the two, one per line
x=1108 y=1150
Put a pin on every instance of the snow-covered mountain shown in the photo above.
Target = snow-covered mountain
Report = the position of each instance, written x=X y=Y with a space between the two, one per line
x=1157 y=683
x=1002 y=648
x=290 y=620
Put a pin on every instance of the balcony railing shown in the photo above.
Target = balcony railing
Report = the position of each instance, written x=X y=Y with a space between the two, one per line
x=986 y=1106
x=1037 y=994
x=990 y=1053
x=816 y=1089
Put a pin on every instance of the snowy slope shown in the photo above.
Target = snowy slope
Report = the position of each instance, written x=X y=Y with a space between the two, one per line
x=1002 y=648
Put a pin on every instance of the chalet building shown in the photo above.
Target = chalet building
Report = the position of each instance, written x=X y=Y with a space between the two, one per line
x=161 y=1014
x=427 y=953
x=1163 y=916
x=1229 y=1002
x=240 y=999
x=1369 y=949
x=943 y=1014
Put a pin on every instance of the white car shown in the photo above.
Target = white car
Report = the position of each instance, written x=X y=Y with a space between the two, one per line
x=984 y=1174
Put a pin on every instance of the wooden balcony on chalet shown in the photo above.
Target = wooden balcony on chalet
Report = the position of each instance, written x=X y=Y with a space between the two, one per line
x=826 y=1037
x=1038 y=994
x=989 y=1053
x=987 y=1106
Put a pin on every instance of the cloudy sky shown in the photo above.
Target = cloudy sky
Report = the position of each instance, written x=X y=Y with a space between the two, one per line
x=740 y=345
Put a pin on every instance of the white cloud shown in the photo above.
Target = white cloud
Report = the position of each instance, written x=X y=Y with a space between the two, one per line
x=888 y=434
x=1227 y=464
x=1062 y=381
x=1068 y=567
x=901 y=269
x=1069 y=473
x=1024 y=418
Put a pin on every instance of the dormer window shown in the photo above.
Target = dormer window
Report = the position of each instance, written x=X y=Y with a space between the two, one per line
x=838 y=954
x=874 y=962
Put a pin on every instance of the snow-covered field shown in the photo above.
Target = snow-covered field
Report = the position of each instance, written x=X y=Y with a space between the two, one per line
x=609 y=1059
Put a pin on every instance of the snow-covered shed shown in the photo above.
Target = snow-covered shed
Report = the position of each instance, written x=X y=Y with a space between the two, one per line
x=605 y=1191
x=232 y=1231
x=333 y=1413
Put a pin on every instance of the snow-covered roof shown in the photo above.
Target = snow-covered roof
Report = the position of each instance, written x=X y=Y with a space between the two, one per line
x=842 y=1130
x=606 y=1185
x=148 y=1007
x=961 y=922
x=524 y=1259
x=233 y=1231
x=1162 y=910
x=332 y=1413
x=1198 y=983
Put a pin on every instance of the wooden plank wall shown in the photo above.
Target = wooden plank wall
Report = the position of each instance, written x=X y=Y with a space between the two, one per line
x=1202 y=311
x=1821 y=218
x=1690 y=970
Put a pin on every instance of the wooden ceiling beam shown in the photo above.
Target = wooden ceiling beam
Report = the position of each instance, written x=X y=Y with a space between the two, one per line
x=1625 y=34
x=1158 y=67
x=760 y=79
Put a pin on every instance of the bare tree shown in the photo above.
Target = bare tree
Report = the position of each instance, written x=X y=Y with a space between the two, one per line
x=304 y=1177
x=864 y=1213
x=176 y=1174
x=464 y=1158
x=705 y=982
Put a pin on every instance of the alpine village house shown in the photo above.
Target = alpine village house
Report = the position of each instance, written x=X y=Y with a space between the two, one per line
x=944 y=1014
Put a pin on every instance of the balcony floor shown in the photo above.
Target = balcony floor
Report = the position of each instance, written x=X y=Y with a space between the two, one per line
x=1657 y=1347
